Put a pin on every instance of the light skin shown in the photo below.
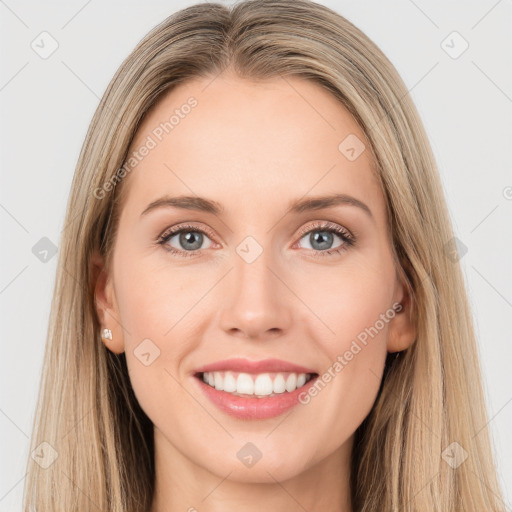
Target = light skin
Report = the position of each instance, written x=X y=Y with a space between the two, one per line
x=254 y=148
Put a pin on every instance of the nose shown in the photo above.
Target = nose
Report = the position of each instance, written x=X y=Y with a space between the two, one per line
x=258 y=303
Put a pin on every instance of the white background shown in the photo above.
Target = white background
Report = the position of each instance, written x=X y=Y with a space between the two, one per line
x=47 y=104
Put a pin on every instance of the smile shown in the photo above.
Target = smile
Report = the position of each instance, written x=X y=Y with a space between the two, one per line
x=256 y=385
x=254 y=396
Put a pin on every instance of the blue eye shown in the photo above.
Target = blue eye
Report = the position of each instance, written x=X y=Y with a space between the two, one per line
x=190 y=238
x=320 y=236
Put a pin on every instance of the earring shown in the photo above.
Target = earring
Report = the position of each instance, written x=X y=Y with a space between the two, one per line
x=107 y=334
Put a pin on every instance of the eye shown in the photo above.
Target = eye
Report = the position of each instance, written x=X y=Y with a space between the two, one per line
x=189 y=239
x=322 y=235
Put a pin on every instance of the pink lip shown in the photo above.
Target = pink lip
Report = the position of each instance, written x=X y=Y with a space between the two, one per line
x=246 y=366
x=246 y=408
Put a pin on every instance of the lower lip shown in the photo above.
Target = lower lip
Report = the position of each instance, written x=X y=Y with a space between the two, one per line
x=254 y=408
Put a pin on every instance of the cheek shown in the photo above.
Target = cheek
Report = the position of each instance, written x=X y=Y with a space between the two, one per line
x=348 y=384
x=355 y=344
x=150 y=306
x=349 y=301
x=153 y=296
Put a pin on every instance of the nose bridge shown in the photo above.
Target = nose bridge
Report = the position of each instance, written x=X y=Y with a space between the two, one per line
x=252 y=272
x=256 y=301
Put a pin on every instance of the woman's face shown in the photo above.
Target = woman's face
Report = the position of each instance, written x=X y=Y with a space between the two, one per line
x=261 y=270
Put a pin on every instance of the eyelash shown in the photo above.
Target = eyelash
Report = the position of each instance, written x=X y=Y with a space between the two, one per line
x=348 y=238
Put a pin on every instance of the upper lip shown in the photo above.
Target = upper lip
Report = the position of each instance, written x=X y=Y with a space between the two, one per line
x=247 y=366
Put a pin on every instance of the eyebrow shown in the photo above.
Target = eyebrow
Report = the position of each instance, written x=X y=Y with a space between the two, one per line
x=299 y=206
x=321 y=202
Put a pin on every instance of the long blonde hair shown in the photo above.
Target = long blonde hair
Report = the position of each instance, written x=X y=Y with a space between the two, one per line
x=431 y=395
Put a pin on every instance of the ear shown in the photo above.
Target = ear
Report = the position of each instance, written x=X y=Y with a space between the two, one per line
x=402 y=327
x=105 y=304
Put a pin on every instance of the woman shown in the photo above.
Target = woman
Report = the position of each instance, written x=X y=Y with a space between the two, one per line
x=200 y=356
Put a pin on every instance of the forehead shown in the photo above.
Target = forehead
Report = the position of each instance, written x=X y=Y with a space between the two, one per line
x=240 y=141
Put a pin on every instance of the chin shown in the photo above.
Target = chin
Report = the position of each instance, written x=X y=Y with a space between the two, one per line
x=269 y=468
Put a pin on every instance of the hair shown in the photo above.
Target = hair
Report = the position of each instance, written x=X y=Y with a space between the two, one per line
x=429 y=397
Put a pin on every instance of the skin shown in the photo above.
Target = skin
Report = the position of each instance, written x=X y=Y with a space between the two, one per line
x=254 y=148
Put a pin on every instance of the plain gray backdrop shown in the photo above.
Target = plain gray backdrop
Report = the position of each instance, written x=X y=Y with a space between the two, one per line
x=57 y=59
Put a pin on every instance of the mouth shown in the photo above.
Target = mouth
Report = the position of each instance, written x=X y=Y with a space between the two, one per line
x=255 y=385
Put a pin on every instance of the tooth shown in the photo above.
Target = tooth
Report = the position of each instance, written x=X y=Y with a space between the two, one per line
x=291 y=382
x=219 y=381
x=279 y=384
x=229 y=382
x=245 y=384
x=263 y=384
x=301 y=380
x=259 y=385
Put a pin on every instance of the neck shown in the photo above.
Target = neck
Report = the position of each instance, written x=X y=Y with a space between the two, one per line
x=183 y=485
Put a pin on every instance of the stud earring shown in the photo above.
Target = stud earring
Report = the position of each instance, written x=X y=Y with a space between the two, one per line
x=107 y=334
